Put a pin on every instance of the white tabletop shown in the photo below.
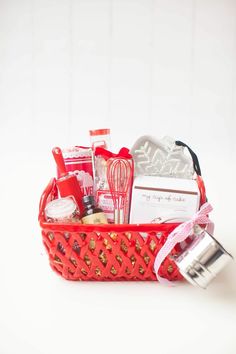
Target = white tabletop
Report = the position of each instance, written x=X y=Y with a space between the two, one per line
x=43 y=313
x=140 y=68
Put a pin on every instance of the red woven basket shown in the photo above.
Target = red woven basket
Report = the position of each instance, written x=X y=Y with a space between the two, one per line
x=106 y=252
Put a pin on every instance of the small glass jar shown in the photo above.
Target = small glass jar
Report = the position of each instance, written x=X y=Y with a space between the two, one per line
x=63 y=210
x=101 y=138
x=92 y=214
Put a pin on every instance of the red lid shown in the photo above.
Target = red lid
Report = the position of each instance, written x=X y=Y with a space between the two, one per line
x=99 y=132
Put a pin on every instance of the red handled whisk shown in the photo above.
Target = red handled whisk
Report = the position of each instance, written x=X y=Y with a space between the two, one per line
x=119 y=177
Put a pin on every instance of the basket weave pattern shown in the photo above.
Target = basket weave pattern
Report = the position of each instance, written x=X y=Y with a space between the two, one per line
x=105 y=252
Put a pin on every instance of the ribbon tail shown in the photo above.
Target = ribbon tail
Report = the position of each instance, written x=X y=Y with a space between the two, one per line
x=210 y=228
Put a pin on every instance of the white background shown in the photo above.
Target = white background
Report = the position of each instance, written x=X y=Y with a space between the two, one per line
x=160 y=67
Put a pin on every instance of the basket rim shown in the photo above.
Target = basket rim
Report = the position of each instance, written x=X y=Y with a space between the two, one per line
x=73 y=227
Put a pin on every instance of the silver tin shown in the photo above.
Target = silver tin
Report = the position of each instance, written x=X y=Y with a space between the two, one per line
x=203 y=259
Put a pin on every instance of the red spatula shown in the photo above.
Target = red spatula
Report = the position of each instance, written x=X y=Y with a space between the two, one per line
x=67 y=184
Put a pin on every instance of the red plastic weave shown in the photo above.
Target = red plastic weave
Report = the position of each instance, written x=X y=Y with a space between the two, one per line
x=105 y=252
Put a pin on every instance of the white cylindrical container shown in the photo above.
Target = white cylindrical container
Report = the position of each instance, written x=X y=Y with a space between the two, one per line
x=101 y=138
x=62 y=210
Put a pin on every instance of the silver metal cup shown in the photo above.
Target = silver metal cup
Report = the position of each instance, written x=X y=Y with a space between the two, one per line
x=203 y=259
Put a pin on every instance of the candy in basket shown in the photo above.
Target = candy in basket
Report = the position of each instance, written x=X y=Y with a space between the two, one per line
x=145 y=217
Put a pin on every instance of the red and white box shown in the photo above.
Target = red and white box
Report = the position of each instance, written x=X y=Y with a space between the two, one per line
x=79 y=161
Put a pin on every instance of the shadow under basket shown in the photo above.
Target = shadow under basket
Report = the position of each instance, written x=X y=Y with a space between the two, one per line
x=105 y=252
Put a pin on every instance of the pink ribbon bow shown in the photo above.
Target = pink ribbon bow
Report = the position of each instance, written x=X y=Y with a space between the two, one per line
x=180 y=233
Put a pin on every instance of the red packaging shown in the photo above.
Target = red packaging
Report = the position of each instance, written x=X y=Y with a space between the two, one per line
x=79 y=161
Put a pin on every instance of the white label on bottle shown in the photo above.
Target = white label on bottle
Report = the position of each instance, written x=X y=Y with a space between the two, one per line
x=97 y=218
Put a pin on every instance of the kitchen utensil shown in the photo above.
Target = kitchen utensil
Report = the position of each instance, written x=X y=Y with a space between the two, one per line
x=119 y=177
x=68 y=185
x=203 y=259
